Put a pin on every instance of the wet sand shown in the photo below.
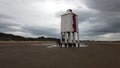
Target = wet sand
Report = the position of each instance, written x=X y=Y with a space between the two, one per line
x=27 y=55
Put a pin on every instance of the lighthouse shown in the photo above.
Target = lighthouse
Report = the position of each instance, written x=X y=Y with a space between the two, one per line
x=69 y=30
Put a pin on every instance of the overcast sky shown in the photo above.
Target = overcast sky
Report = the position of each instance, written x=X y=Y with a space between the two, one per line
x=98 y=19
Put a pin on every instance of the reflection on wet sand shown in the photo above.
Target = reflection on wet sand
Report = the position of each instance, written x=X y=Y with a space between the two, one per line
x=54 y=46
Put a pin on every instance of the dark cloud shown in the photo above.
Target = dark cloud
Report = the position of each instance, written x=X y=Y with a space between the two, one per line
x=103 y=5
x=103 y=25
x=100 y=30
x=3 y=16
x=85 y=15
x=5 y=24
x=36 y=30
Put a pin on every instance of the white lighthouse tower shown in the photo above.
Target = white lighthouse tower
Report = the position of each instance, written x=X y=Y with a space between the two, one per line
x=69 y=30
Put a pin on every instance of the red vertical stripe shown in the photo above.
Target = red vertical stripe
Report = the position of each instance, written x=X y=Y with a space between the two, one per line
x=74 y=23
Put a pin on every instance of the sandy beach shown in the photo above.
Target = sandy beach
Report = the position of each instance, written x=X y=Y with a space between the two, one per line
x=35 y=55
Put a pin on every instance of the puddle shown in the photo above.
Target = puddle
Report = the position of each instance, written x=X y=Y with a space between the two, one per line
x=83 y=45
x=52 y=46
x=46 y=45
x=40 y=44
